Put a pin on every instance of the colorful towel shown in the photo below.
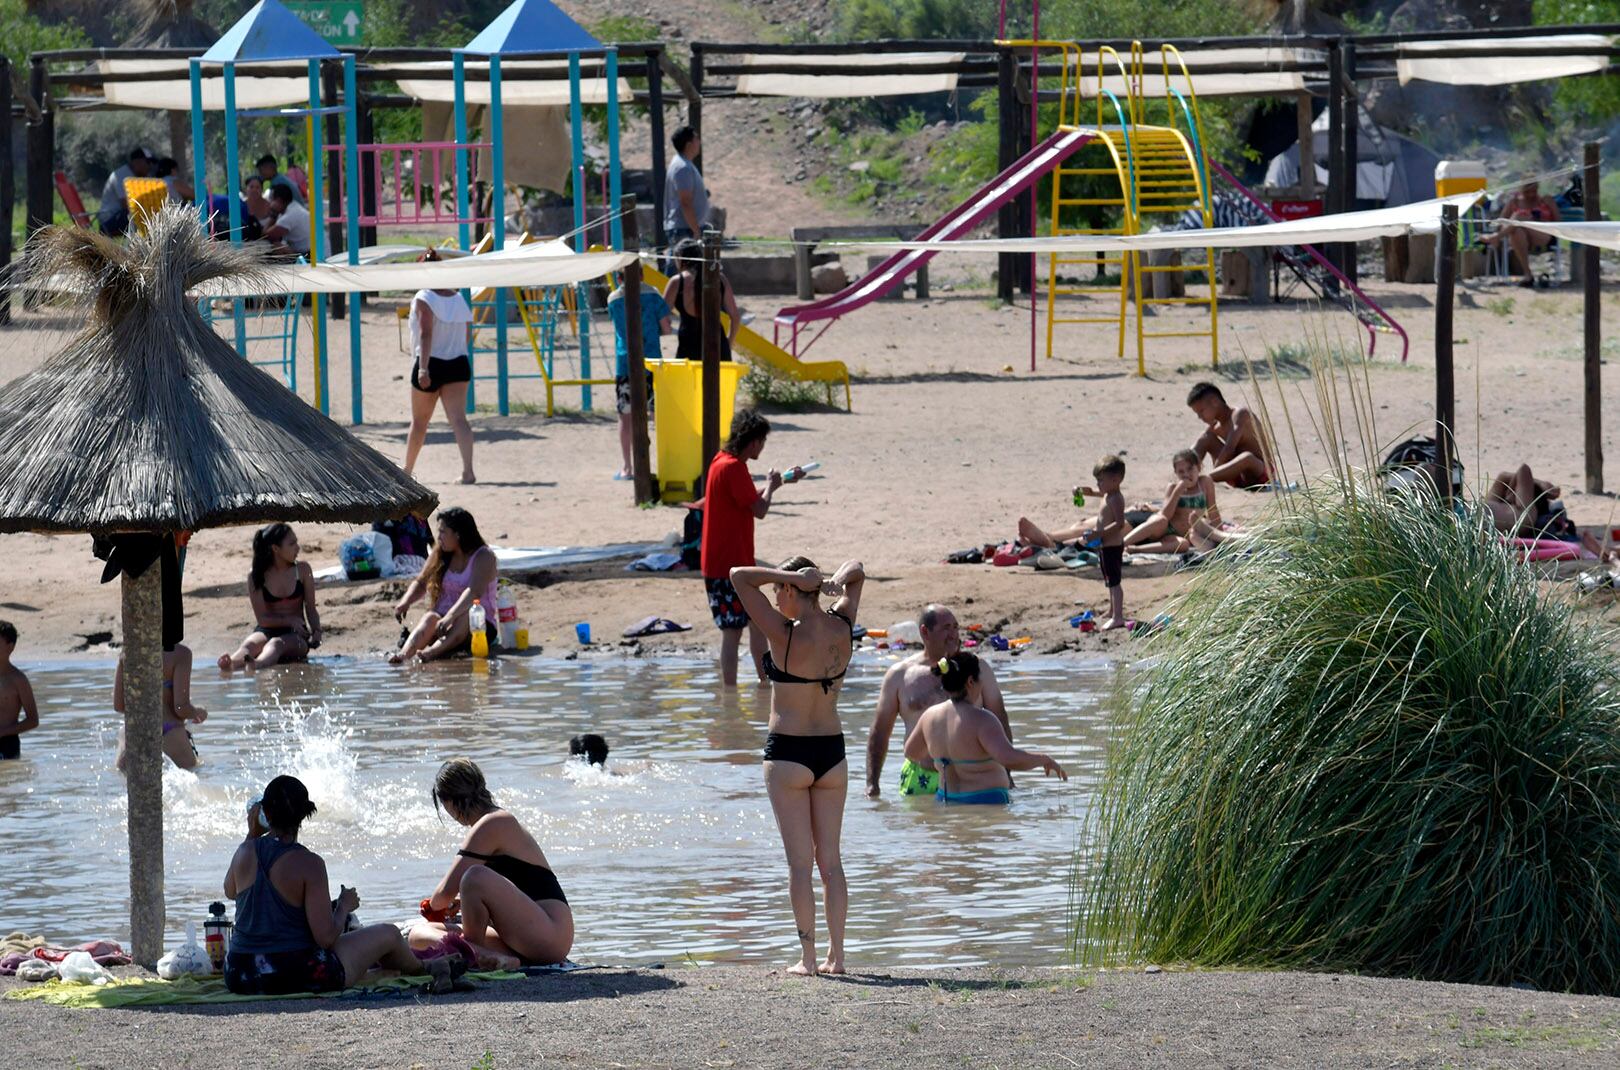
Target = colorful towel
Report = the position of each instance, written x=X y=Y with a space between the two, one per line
x=19 y=946
x=1551 y=550
x=154 y=992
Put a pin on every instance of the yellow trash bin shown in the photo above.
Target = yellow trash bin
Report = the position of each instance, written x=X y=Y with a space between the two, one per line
x=678 y=409
x=146 y=196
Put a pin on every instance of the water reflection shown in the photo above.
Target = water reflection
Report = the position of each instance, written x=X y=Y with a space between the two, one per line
x=672 y=854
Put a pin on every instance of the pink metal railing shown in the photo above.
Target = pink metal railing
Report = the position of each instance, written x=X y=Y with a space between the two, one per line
x=410 y=184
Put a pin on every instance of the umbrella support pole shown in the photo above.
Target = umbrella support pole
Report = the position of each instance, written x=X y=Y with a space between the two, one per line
x=143 y=759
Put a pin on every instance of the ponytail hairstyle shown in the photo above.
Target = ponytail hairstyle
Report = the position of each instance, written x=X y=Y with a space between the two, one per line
x=462 y=523
x=265 y=541
x=955 y=671
x=461 y=783
x=285 y=804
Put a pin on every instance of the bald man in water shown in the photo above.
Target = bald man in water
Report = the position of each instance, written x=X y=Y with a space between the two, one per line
x=909 y=688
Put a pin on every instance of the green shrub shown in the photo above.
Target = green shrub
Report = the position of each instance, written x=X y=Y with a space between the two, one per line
x=1374 y=745
x=767 y=390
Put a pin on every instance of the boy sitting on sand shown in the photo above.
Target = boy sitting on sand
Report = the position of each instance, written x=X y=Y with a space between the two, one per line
x=18 y=713
x=1238 y=453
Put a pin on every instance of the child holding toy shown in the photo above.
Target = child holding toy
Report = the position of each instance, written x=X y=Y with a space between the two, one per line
x=1110 y=473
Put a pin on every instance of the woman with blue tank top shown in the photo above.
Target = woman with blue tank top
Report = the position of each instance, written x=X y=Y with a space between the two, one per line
x=967 y=743
x=289 y=933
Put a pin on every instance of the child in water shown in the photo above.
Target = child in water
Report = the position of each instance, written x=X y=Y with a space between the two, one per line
x=178 y=712
x=18 y=713
x=589 y=748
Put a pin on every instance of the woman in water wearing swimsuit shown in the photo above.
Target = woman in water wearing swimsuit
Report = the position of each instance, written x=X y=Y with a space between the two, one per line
x=288 y=625
x=966 y=742
x=460 y=569
x=806 y=774
x=178 y=712
x=512 y=909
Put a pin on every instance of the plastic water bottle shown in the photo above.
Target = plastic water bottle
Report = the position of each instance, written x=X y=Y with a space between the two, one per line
x=217 y=936
x=506 y=615
x=798 y=472
x=475 y=624
x=905 y=630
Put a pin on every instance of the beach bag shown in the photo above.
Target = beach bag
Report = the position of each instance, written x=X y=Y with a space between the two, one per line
x=1554 y=523
x=692 y=540
x=358 y=558
x=1398 y=469
x=189 y=959
x=408 y=536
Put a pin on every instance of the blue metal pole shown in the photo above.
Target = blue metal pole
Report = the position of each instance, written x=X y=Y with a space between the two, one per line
x=233 y=182
x=497 y=195
x=576 y=119
x=458 y=64
x=198 y=171
x=351 y=178
x=317 y=234
x=614 y=185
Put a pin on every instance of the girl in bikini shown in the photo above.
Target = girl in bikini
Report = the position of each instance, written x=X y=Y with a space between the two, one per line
x=460 y=569
x=966 y=742
x=806 y=774
x=1189 y=519
x=513 y=910
x=178 y=712
x=281 y=589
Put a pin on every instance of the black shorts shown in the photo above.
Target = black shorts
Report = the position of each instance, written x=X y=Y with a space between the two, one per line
x=443 y=372
x=10 y=747
x=280 y=973
x=621 y=394
x=724 y=605
x=1112 y=560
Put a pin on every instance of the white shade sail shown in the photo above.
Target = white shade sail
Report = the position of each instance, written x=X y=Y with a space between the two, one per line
x=888 y=77
x=1414 y=61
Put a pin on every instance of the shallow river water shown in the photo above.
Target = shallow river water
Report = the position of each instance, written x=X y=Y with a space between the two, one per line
x=673 y=855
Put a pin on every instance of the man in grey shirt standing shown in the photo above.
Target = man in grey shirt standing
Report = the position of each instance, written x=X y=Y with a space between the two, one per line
x=686 y=202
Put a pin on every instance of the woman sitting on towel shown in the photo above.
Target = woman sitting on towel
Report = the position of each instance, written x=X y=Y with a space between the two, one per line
x=966 y=742
x=460 y=570
x=289 y=930
x=281 y=589
x=512 y=909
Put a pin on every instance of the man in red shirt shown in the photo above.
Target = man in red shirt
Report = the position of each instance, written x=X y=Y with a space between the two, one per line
x=730 y=507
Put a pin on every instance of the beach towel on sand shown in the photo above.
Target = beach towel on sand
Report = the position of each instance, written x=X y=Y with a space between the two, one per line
x=155 y=992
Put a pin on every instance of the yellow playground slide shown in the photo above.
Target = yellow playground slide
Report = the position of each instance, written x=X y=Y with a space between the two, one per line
x=761 y=350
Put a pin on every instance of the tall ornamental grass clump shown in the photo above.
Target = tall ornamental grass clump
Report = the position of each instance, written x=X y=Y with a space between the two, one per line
x=1374 y=745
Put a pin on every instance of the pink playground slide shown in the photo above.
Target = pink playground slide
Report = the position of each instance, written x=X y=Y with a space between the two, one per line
x=957 y=224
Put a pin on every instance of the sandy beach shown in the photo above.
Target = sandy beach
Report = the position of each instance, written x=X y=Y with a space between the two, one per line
x=735 y=1016
x=951 y=439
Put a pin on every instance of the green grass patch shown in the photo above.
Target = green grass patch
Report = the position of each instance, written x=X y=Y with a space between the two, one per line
x=767 y=390
x=1500 y=306
x=1371 y=744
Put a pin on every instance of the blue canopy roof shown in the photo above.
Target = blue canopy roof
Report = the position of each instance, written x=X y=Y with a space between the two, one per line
x=269 y=32
x=531 y=26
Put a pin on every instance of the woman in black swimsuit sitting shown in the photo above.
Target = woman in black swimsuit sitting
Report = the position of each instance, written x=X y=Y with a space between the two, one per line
x=512 y=909
x=288 y=626
x=806 y=774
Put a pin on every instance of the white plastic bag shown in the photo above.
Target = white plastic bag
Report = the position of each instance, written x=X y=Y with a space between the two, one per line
x=187 y=959
x=80 y=968
x=36 y=970
x=382 y=548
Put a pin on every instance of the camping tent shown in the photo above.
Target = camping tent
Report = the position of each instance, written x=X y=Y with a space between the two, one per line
x=1390 y=170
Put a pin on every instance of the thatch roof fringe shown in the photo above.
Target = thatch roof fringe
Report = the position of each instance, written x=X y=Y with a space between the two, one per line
x=148 y=420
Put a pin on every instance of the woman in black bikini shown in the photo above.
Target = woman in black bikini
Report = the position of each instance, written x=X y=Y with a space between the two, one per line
x=685 y=294
x=806 y=774
x=512 y=909
x=281 y=589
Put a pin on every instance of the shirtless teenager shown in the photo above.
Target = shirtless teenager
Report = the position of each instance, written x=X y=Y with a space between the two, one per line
x=18 y=712
x=1236 y=446
x=911 y=687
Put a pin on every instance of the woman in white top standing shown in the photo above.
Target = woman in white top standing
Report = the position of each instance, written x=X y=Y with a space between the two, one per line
x=441 y=337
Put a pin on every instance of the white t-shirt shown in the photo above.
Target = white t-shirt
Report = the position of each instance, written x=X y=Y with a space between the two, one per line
x=112 y=194
x=450 y=319
x=296 y=221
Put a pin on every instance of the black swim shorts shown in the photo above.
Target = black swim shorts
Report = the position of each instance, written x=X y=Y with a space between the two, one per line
x=724 y=605
x=280 y=973
x=1112 y=559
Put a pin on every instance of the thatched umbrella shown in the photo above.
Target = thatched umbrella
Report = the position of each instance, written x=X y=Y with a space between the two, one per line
x=148 y=423
x=173 y=24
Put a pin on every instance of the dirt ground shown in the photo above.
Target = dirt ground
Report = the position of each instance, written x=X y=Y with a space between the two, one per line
x=952 y=438
x=735 y=1016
